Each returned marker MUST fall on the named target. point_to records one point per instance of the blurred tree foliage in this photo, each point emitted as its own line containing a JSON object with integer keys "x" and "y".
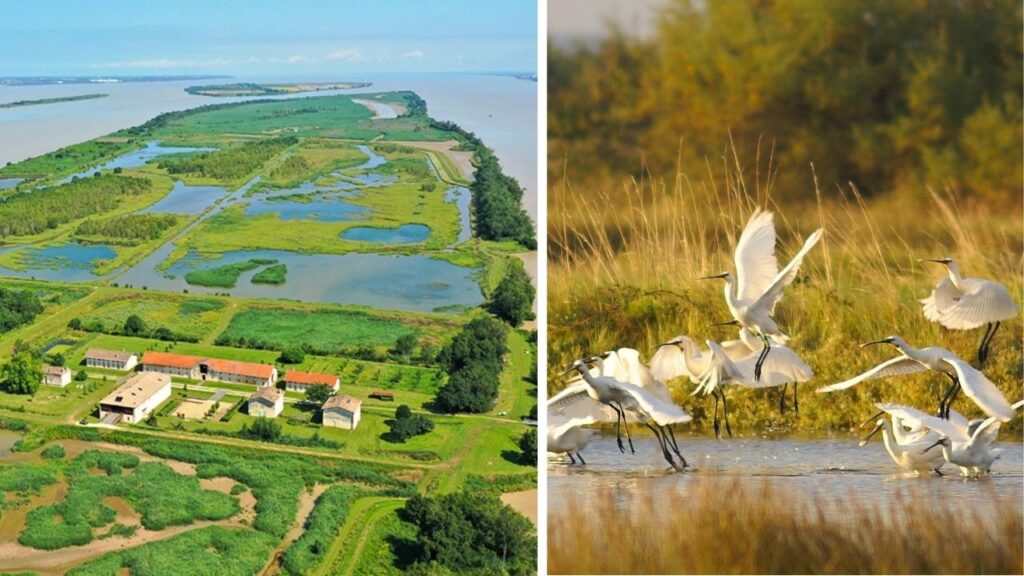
{"x": 887, "y": 95}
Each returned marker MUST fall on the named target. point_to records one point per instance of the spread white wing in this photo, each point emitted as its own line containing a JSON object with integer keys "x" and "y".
{"x": 952, "y": 430}
{"x": 895, "y": 367}
{"x": 942, "y": 297}
{"x": 661, "y": 412}
{"x": 756, "y": 265}
{"x": 781, "y": 366}
{"x": 984, "y": 301}
{"x": 980, "y": 389}
{"x": 773, "y": 292}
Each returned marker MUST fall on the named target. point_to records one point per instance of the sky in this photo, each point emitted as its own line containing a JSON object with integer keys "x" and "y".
{"x": 265, "y": 37}
{"x": 587, "y": 19}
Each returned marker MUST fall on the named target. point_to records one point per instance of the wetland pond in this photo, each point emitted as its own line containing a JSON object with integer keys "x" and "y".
{"x": 825, "y": 470}
{"x": 400, "y": 282}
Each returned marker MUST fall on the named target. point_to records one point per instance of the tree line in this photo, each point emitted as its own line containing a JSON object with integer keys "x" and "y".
{"x": 47, "y": 208}
{"x": 886, "y": 95}
{"x": 18, "y": 308}
{"x": 497, "y": 208}
{"x": 231, "y": 163}
{"x": 473, "y": 360}
{"x": 130, "y": 228}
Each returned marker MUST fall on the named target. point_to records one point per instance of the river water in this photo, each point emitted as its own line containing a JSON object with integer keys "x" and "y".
{"x": 822, "y": 469}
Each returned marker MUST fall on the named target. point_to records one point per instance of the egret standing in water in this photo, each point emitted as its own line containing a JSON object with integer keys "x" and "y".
{"x": 594, "y": 392}
{"x": 967, "y": 445}
{"x": 759, "y": 283}
{"x": 975, "y": 385}
{"x": 960, "y": 303}
{"x": 568, "y": 436}
{"x": 908, "y": 450}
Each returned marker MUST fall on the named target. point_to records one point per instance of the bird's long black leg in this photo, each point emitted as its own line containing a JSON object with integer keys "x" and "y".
{"x": 725, "y": 412}
{"x": 675, "y": 447}
{"x": 952, "y": 397}
{"x": 618, "y": 428}
{"x": 571, "y": 459}
{"x": 625, "y": 425}
{"x": 983, "y": 353}
{"x": 947, "y": 398}
{"x": 664, "y": 448}
{"x": 761, "y": 357}
{"x": 983, "y": 344}
{"x": 580, "y": 456}
{"x": 782, "y": 399}
{"x": 718, "y": 432}
{"x": 796, "y": 400}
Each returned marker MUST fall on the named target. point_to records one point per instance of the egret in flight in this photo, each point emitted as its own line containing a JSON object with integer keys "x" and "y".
{"x": 975, "y": 385}
{"x": 907, "y": 448}
{"x": 967, "y": 445}
{"x": 593, "y": 393}
{"x": 568, "y": 436}
{"x": 960, "y": 303}
{"x": 759, "y": 283}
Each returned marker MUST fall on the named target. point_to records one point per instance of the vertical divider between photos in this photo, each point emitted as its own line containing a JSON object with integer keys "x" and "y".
{"x": 542, "y": 283}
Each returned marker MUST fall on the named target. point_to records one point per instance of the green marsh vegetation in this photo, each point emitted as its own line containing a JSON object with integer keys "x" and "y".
{"x": 783, "y": 533}
{"x": 896, "y": 176}
{"x": 130, "y": 229}
{"x": 225, "y": 276}
{"x": 70, "y": 159}
{"x": 323, "y": 331}
{"x": 274, "y": 274}
{"x": 228, "y": 165}
{"x": 330, "y": 513}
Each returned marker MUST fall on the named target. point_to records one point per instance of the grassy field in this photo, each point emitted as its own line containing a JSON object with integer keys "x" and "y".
{"x": 195, "y": 317}
{"x": 642, "y": 248}
{"x": 783, "y": 533}
{"x": 323, "y": 330}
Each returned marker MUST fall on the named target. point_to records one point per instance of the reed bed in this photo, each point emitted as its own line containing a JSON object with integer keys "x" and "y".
{"x": 729, "y": 527}
{"x": 624, "y": 261}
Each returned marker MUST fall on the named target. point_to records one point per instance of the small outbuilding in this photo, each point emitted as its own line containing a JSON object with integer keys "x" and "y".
{"x": 342, "y": 412}
{"x": 266, "y": 401}
{"x": 56, "y": 375}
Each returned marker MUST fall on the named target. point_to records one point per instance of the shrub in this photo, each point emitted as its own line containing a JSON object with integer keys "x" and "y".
{"x": 53, "y": 452}
{"x": 292, "y": 355}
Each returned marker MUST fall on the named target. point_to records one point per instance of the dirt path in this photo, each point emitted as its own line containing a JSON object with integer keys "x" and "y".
{"x": 524, "y": 502}
{"x": 463, "y": 160}
{"x": 307, "y": 502}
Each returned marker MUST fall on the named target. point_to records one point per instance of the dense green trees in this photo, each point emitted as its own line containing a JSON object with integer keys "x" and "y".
{"x": 888, "y": 95}
{"x": 47, "y": 208}
{"x": 264, "y": 429}
{"x": 471, "y": 533}
{"x": 17, "y": 308}
{"x": 292, "y": 355}
{"x": 317, "y": 394}
{"x": 528, "y": 447}
{"x": 512, "y": 300}
{"x": 135, "y": 325}
{"x": 473, "y": 360}
{"x": 230, "y": 163}
{"x": 404, "y": 346}
{"x": 22, "y": 374}
{"x": 129, "y": 229}
{"x": 406, "y": 424}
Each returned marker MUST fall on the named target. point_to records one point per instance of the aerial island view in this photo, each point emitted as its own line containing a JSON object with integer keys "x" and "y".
{"x": 268, "y": 326}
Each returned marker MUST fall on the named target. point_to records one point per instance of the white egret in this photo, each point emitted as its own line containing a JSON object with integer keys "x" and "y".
{"x": 593, "y": 393}
{"x": 967, "y": 445}
{"x": 568, "y": 436}
{"x": 906, "y": 449}
{"x": 681, "y": 356}
{"x": 759, "y": 283}
{"x": 963, "y": 375}
{"x": 625, "y": 365}
{"x": 960, "y": 303}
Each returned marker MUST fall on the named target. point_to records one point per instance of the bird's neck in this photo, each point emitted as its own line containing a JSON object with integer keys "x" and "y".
{"x": 889, "y": 439}
{"x": 954, "y": 276}
{"x": 587, "y": 376}
{"x": 730, "y": 296}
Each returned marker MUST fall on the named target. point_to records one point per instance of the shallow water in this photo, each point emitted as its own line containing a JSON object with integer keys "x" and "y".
{"x": 822, "y": 469}
{"x": 186, "y": 199}
{"x": 7, "y": 440}
{"x": 70, "y": 262}
{"x": 397, "y": 282}
{"x": 137, "y": 158}
{"x": 323, "y": 209}
{"x": 6, "y": 183}
{"x": 404, "y": 234}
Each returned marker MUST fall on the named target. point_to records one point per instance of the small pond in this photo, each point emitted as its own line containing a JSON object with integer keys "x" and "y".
{"x": 404, "y": 234}
{"x": 6, "y": 183}
{"x": 138, "y": 158}
{"x": 69, "y": 262}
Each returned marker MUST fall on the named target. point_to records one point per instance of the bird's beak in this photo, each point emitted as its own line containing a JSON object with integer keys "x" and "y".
{"x": 923, "y": 260}
{"x": 568, "y": 370}
{"x": 730, "y": 323}
{"x": 937, "y": 442}
{"x": 722, "y": 275}
{"x": 665, "y": 344}
{"x": 872, "y": 419}
{"x": 865, "y": 439}
{"x": 882, "y": 341}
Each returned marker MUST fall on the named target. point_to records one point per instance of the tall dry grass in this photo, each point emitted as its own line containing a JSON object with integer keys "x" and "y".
{"x": 722, "y": 527}
{"x": 624, "y": 261}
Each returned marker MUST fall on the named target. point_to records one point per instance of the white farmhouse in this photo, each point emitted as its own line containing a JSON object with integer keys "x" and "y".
{"x": 139, "y": 396}
{"x": 342, "y": 412}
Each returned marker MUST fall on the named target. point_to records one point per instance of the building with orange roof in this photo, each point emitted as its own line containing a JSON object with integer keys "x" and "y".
{"x": 172, "y": 364}
{"x": 240, "y": 372}
{"x": 298, "y": 381}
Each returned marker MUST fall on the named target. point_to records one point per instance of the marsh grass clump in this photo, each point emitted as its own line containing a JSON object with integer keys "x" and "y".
{"x": 738, "y": 528}
{"x": 624, "y": 263}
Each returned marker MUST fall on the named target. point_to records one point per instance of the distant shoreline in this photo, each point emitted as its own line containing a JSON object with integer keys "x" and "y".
{"x": 253, "y": 89}
{"x": 58, "y": 80}
{"x": 20, "y": 103}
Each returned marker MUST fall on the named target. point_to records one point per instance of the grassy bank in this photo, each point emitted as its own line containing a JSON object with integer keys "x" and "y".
{"x": 782, "y": 533}
{"x": 624, "y": 263}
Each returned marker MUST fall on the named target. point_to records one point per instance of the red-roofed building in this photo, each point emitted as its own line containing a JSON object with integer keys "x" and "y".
{"x": 172, "y": 364}
{"x": 241, "y": 372}
{"x": 301, "y": 381}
